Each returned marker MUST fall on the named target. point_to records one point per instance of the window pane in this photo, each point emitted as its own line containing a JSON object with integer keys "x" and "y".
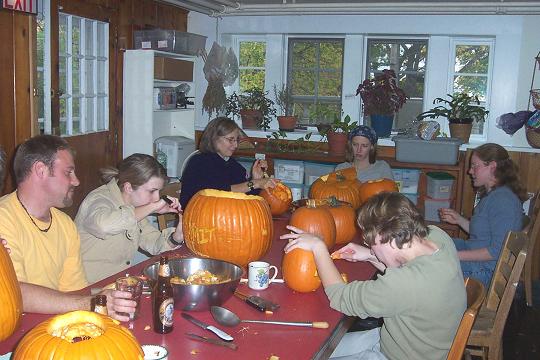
{"x": 76, "y": 75}
{"x": 330, "y": 84}
{"x": 40, "y": 35}
{"x": 331, "y": 56}
{"x": 62, "y": 33}
{"x": 63, "y": 116}
{"x": 303, "y": 83}
{"x": 472, "y": 84}
{"x": 40, "y": 99}
{"x": 89, "y": 76}
{"x": 101, "y": 114}
{"x": 472, "y": 59}
{"x": 102, "y": 81}
{"x": 76, "y": 34}
{"x": 102, "y": 42}
{"x": 89, "y": 37}
{"x": 304, "y": 55}
{"x": 76, "y": 116}
{"x": 89, "y": 114}
{"x": 250, "y": 79}
{"x": 412, "y": 84}
{"x": 62, "y": 75}
{"x": 252, "y": 53}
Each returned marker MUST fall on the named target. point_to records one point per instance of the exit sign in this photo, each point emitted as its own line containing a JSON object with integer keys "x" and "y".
{"x": 27, "y": 6}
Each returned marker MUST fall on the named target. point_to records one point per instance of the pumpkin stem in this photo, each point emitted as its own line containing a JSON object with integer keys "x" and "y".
{"x": 333, "y": 201}
{"x": 340, "y": 176}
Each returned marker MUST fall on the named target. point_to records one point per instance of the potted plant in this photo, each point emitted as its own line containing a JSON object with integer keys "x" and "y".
{"x": 254, "y": 107}
{"x": 284, "y": 99}
{"x": 381, "y": 99}
{"x": 461, "y": 110}
{"x": 338, "y": 134}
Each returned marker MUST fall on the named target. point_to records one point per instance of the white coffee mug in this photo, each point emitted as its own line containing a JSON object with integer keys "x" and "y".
{"x": 259, "y": 275}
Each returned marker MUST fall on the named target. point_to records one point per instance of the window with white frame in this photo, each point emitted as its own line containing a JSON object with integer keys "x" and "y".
{"x": 83, "y": 74}
{"x": 407, "y": 57}
{"x": 314, "y": 74}
{"x": 470, "y": 71}
{"x": 251, "y": 65}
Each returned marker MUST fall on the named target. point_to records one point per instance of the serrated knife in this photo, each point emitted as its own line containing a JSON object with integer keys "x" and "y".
{"x": 222, "y": 334}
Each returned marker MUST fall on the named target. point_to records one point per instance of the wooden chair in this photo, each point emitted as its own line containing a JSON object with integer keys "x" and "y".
{"x": 171, "y": 189}
{"x": 485, "y": 339}
{"x": 533, "y": 232}
{"x": 475, "y": 296}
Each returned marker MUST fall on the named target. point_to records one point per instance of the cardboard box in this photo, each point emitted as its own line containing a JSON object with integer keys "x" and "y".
{"x": 173, "y": 69}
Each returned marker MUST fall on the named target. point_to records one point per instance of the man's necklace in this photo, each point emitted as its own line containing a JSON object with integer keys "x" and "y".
{"x": 32, "y": 219}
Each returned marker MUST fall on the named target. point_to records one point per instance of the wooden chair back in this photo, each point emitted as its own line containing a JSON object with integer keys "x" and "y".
{"x": 533, "y": 232}
{"x": 173, "y": 190}
{"x": 475, "y": 296}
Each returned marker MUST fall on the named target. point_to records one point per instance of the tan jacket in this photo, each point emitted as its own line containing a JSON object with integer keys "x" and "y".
{"x": 110, "y": 233}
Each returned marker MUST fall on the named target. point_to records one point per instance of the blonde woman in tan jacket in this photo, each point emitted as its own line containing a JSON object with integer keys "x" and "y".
{"x": 112, "y": 219}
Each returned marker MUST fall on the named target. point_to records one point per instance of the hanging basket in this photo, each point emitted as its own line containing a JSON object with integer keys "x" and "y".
{"x": 533, "y": 137}
{"x": 535, "y": 96}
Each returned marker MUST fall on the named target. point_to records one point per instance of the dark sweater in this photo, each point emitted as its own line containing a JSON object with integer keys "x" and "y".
{"x": 210, "y": 171}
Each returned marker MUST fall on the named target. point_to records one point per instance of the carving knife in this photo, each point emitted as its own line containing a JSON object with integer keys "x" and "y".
{"x": 230, "y": 345}
{"x": 222, "y": 334}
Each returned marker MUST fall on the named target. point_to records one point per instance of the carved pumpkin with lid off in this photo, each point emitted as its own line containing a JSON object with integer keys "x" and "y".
{"x": 342, "y": 184}
{"x": 10, "y": 294}
{"x": 315, "y": 218}
{"x": 79, "y": 335}
{"x": 228, "y": 226}
{"x": 279, "y": 198}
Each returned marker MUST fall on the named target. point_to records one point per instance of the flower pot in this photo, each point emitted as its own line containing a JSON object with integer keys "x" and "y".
{"x": 461, "y": 131}
{"x": 337, "y": 143}
{"x": 287, "y": 123}
{"x": 251, "y": 118}
{"x": 382, "y": 124}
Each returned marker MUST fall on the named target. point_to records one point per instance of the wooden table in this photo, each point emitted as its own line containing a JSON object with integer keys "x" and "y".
{"x": 255, "y": 341}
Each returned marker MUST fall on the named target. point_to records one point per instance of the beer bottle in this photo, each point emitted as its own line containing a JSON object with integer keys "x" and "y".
{"x": 100, "y": 305}
{"x": 163, "y": 302}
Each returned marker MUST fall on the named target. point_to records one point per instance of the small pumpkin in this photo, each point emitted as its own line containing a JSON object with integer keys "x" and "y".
{"x": 342, "y": 184}
{"x": 315, "y": 219}
{"x": 300, "y": 271}
{"x": 79, "y": 335}
{"x": 228, "y": 226}
{"x": 373, "y": 187}
{"x": 345, "y": 220}
{"x": 10, "y": 293}
{"x": 279, "y": 198}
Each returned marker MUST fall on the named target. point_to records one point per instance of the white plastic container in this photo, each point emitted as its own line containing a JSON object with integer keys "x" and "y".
{"x": 439, "y": 185}
{"x": 297, "y": 190}
{"x": 443, "y": 151}
{"x": 313, "y": 171}
{"x": 289, "y": 171}
{"x": 432, "y": 206}
{"x": 406, "y": 180}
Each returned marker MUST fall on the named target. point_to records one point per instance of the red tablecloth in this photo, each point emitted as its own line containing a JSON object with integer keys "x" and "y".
{"x": 255, "y": 341}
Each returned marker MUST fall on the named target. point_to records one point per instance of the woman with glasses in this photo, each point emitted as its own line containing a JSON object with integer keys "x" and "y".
{"x": 215, "y": 168}
{"x": 499, "y": 210}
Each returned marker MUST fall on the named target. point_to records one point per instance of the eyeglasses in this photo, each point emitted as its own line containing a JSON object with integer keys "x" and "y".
{"x": 477, "y": 165}
{"x": 232, "y": 139}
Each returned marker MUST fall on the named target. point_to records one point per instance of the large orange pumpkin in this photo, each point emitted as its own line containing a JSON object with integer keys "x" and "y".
{"x": 373, "y": 187}
{"x": 299, "y": 271}
{"x": 10, "y": 293}
{"x": 345, "y": 220}
{"x": 315, "y": 219}
{"x": 228, "y": 226}
{"x": 279, "y": 198}
{"x": 342, "y": 184}
{"x": 79, "y": 335}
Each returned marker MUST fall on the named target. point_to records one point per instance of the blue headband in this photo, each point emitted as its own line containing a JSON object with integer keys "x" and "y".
{"x": 365, "y": 131}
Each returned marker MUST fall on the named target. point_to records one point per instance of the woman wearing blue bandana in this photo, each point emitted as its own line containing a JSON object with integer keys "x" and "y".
{"x": 361, "y": 153}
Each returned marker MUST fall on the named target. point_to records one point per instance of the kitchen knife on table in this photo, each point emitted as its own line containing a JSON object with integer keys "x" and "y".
{"x": 222, "y": 334}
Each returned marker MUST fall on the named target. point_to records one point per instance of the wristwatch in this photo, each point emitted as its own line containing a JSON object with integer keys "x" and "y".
{"x": 172, "y": 241}
{"x": 250, "y": 185}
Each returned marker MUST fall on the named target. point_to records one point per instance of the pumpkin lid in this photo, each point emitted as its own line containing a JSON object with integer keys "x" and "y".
{"x": 229, "y": 195}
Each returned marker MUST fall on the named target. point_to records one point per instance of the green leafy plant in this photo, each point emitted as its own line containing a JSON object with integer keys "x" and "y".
{"x": 278, "y": 142}
{"x": 461, "y": 108}
{"x": 284, "y": 99}
{"x": 253, "y": 99}
{"x": 343, "y": 125}
{"x": 381, "y": 95}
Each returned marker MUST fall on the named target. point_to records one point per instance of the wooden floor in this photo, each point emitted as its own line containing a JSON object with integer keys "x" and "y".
{"x": 521, "y": 339}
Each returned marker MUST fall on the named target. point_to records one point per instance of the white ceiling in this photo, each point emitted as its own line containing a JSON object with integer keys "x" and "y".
{"x": 219, "y": 8}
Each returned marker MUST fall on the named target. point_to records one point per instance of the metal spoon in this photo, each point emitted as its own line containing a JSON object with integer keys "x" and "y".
{"x": 226, "y": 317}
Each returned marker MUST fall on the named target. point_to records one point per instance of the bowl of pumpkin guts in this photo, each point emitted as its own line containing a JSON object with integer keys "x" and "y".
{"x": 199, "y": 283}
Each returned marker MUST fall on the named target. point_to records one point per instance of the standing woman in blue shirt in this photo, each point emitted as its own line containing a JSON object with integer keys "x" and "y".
{"x": 500, "y": 210}
{"x": 214, "y": 168}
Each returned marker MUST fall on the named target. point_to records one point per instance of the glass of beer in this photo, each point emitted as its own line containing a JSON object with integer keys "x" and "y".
{"x": 133, "y": 285}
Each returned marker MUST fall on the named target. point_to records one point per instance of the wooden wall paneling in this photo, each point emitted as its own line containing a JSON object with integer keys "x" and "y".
{"x": 24, "y": 70}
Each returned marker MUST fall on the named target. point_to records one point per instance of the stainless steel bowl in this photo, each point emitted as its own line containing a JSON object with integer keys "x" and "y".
{"x": 199, "y": 297}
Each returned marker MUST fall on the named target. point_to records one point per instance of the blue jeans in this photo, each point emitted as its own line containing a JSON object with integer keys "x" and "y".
{"x": 480, "y": 270}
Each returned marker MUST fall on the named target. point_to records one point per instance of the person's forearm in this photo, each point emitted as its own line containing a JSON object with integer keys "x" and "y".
{"x": 328, "y": 273}
{"x": 379, "y": 265}
{"x": 481, "y": 254}
{"x": 464, "y": 224}
{"x": 42, "y": 300}
{"x": 241, "y": 188}
{"x": 142, "y": 212}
